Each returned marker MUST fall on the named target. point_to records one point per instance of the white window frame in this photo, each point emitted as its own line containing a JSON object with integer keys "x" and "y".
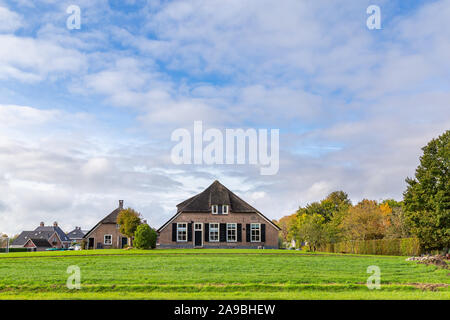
{"x": 104, "y": 240}
{"x": 225, "y": 206}
{"x": 232, "y": 229}
{"x": 215, "y": 209}
{"x": 218, "y": 232}
{"x": 180, "y": 229}
{"x": 259, "y": 232}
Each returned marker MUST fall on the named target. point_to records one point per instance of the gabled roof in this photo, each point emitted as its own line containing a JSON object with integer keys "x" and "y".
{"x": 76, "y": 234}
{"x": 216, "y": 193}
{"x": 109, "y": 219}
{"x": 26, "y": 235}
{"x": 40, "y": 243}
{"x": 61, "y": 234}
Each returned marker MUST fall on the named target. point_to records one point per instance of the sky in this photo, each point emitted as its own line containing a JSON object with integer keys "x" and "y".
{"x": 87, "y": 114}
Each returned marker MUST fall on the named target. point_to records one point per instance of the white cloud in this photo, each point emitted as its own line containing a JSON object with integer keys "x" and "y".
{"x": 31, "y": 60}
{"x": 9, "y": 20}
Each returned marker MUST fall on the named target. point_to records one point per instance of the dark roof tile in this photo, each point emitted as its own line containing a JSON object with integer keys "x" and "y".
{"x": 216, "y": 193}
{"x": 76, "y": 234}
{"x": 41, "y": 243}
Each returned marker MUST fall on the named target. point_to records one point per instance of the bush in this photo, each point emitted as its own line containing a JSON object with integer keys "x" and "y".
{"x": 392, "y": 247}
{"x": 145, "y": 237}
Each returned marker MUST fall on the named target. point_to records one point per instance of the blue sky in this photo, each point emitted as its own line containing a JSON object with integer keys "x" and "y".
{"x": 87, "y": 114}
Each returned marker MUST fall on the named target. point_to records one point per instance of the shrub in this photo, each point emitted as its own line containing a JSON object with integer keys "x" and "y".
{"x": 145, "y": 237}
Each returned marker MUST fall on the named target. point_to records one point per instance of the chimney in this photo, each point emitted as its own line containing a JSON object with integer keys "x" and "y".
{"x": 55, "y": 224}
{"x": 121, "y": 204}
{"x": 41, "y": 224}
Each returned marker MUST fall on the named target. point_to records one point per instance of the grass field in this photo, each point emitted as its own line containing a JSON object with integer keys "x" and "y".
{"x": 216, "y": 274}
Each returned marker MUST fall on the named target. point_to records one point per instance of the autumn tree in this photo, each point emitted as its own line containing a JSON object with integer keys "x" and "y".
{"x": 365, "y": 221}
{"x": 3, "y": 240}
{"x": 398, "y": 226}
{"x": 427, "y": 197}
{"x": 286, "y": 223}
{"x": 128, "y": 220}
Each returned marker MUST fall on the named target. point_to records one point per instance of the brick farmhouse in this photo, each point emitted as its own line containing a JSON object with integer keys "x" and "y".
{"x": 106, "y": 234}
{"x": 217, "y": 218}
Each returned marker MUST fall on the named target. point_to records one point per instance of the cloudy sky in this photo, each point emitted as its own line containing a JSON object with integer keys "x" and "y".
{"x": 86, "y": 115}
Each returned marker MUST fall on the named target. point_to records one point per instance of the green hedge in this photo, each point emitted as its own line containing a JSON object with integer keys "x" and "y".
{"x": 14, "y": 249}
{"x": 391, "y": 247}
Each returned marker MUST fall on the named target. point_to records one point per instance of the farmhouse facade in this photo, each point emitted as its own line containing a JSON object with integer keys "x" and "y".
{"x": 106, "y": 234}
{"x": 217, "y": 218}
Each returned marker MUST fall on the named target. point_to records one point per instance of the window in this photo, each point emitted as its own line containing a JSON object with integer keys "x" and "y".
{"x": 182, "y": 232}
{"x": 107, "y": 239}
{"x": 213, "y": 232}
{"x": 231, "y": 232}
{"x": 255, "y": 232}
{"x": 219, "y": 209}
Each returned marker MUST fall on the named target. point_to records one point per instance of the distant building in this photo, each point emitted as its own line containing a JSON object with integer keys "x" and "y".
{"x": 55, "y": 237}
{"x": 106, "y": 233}
{"x": 76, "y": 235}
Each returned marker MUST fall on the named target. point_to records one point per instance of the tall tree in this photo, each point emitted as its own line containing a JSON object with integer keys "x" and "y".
{"x": 128, "y": 220}
{"x": 427, "y": 197}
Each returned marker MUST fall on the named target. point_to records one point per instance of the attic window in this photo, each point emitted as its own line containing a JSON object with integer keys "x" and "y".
{"x": 219, "y": 209}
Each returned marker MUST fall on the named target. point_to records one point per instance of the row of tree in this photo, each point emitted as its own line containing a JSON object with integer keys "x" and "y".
{"x": 424, "y": 211}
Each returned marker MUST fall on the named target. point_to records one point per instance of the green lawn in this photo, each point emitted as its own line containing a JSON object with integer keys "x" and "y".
{"x": 216, "y": 274}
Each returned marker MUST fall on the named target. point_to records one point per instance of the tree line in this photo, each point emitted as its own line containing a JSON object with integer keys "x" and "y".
{"x": 424, "y": 211}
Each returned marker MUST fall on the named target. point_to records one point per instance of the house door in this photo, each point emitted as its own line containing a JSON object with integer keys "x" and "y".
{"x": 91, "y": 243}
{"x": 124, "y": 241}
{"x": 198, "y": 234}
